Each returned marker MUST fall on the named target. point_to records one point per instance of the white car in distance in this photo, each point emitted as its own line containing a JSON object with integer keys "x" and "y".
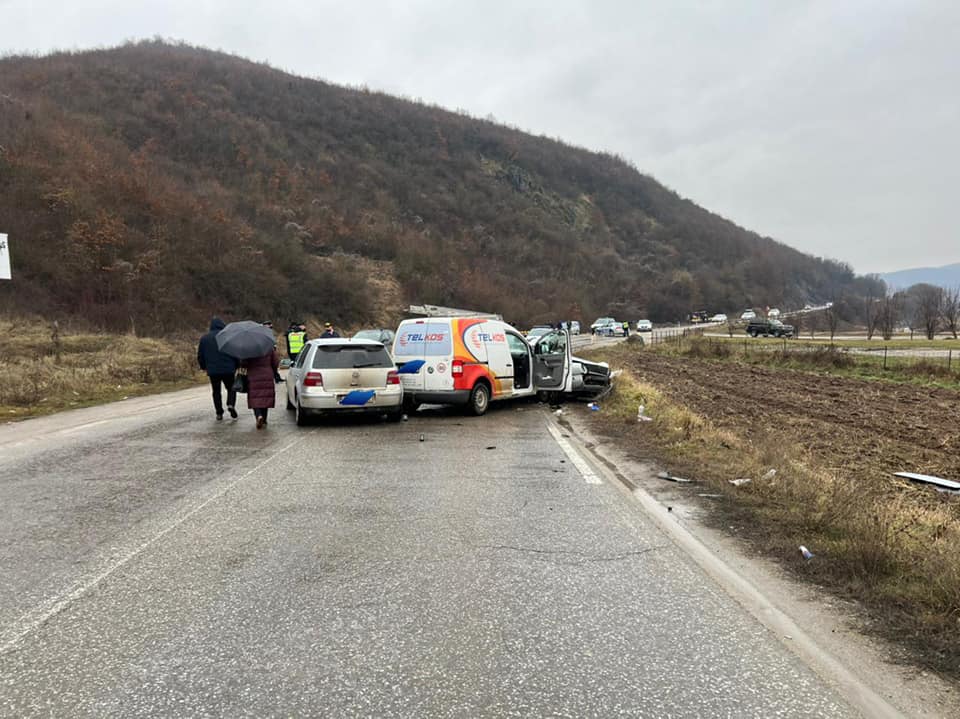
{"x": 719, "y": 318}
{"x": 644, "y": 326}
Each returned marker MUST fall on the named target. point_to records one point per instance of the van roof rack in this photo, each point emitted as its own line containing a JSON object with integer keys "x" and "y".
{"x": 438, "y": 311}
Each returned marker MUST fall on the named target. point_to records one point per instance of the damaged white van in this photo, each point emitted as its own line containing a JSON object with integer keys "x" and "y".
{"x": 472, "y": 361}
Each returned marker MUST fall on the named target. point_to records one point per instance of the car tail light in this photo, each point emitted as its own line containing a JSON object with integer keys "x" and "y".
{"x": 313, "y": 379}
{"x": 393, "y": 377}
{"x": 457, "y": 367}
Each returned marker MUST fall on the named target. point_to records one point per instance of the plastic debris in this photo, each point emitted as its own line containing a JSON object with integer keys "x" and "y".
{"x": 769, "y": 474}
{"x": 709, "y": 496}
{"x": 641, "y": 416}
{"x": 671, "y": 478}
{"x": 492, "y": 446}
{"x": 421, "y": 438}
{"x": 806, "y": 553}
{"x": 558, "y": 412}
{"x": 940, "y": 484}
{"x": 593, "y": 407}
{"x": 404, "y": 418}
{"x": 740, "y": 481}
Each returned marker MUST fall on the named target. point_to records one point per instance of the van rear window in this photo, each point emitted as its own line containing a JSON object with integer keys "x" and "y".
{"x": 350, "y": 357}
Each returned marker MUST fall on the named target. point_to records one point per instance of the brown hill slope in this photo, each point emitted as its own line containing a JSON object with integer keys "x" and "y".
{"x": 153, "y": 184}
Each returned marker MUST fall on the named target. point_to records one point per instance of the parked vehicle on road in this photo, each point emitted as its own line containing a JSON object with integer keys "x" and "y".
{"x": 644, "y": 326}
{"x": 475, "y": 361}
{"x": 719, "y": 318}
{"x": 698, "y": 317}
{"x": 773, "y": 314}
{"x": 574, "y": 327}
{"x": 748, "y": 315}
{"x": 538, "y": 331}
{"x": 610, "y": 329}
{"x": 337, "y": 376}
{"x": 383, "y": 336}
{"x": 601, "y": 322}
{"x": 768, "y": 328}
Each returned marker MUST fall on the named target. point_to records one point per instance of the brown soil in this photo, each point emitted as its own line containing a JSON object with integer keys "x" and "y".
{"x": 866, "y": 430}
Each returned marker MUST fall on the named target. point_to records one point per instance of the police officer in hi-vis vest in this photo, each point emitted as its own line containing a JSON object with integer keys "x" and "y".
{"x": 296, "y": 339}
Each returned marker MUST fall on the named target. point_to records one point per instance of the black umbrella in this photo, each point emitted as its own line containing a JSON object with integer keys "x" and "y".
{"x": 246, "y": 339}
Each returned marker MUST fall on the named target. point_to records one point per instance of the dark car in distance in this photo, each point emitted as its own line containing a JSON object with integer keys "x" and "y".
{"x": 769, "y": 328}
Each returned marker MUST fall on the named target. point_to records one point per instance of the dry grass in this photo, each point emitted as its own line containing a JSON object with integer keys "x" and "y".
{"x": 892, "y": 547}
{"x": 37, "y": 377}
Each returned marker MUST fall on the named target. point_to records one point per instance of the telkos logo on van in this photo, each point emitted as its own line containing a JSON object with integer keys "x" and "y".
{"x": 421, "y": 337}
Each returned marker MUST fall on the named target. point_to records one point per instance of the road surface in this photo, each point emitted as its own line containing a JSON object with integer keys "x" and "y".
{"x": 154, "y": 562}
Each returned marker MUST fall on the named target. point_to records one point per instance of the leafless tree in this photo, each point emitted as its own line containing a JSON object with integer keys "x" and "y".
{"x": 832, "y": 316}
{"x": 929, "y": 301}
{"x": 871, "y": 304}
{"x": 950, "y": 310}
{"x": 891, "y": 306}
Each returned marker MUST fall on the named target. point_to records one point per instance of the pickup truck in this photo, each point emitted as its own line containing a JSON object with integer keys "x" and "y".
{"x": 768, "y": 328}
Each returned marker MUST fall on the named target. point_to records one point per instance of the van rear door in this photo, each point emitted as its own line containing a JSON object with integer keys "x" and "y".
{"x": 552, "y": 362}
{"x": 432, "y": 342}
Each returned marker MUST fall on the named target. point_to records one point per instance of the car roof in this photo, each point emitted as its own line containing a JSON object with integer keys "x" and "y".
{"x": 359, "y": 341}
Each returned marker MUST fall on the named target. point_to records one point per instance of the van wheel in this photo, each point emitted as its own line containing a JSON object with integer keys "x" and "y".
{"x": 479, "y": 398}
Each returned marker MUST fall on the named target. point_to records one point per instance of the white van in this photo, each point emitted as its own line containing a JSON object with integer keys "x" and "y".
{"x": 473, "y": 361}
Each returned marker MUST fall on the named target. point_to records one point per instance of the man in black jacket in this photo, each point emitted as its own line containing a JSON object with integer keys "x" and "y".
{"x": 219, "y": 367}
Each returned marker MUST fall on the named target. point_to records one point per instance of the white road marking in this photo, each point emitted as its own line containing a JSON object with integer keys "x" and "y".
{"x": 589, "y": 476}
{"x": 39, "y": 615}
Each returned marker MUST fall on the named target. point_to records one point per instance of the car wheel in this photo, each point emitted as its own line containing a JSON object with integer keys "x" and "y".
{"x": 479, "y": 399}
{"x": 303, "y": 419}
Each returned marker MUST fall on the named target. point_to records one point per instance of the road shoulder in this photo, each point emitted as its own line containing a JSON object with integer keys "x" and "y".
{"x": 829, "y": 625}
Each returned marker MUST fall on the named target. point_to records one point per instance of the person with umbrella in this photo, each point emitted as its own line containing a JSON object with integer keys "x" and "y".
{"x": 253, "y": 345}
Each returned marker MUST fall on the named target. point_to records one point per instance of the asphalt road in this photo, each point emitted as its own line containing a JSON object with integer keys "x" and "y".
{"x": 154, "y": 562}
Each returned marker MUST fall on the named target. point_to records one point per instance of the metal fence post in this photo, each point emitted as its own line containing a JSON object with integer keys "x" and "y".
{"x": 949, "y": 359}
{"x": 884, "y": 356}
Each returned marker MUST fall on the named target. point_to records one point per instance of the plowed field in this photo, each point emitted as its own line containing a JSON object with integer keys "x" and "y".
{"x": 865, "y": 429}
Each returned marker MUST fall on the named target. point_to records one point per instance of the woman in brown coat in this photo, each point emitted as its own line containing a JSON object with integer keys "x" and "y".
{"x": 261, "y": 395}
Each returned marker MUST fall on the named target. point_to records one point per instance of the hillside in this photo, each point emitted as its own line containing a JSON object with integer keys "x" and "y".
{"x": 947, "y": 276}
{"x": 153, "y": 184}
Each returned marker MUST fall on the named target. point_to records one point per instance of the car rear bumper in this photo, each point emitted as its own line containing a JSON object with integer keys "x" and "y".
{"x": 451, "y": 396}
{"x": 329, "y": 401}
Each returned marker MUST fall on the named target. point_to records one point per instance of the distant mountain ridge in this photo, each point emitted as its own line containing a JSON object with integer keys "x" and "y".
{"x": 947, "y": 276}
{"x": 153, "y": 184}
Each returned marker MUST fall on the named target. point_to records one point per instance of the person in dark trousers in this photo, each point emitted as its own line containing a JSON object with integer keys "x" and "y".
{"x": 261, "y": 395}
{"x": 296, "y": 338}
{"x": 329, "y": 331}
{"x": 219, "y": 367}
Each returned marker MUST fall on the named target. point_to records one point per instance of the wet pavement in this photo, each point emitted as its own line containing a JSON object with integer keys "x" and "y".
{"x": 154, "y": 562}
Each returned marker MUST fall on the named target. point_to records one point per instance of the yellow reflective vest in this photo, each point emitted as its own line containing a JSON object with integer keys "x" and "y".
{"x": 295, "y": 341}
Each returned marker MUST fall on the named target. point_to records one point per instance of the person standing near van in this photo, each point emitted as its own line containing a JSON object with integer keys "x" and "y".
{"x": 296, "y": 339}
{"x": 220, "y": 368}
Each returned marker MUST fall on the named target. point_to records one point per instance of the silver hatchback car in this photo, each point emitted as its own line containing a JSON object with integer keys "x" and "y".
{"x": 344, "y": 376}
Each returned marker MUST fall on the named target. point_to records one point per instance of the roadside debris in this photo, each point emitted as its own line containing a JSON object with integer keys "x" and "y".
{"x": 404, "y": 418}
{"x": 769, "y": 474}
{"x": 616, "y": 373}
{"x": 707, "y": 495}
{"x": 421, "y": 437}
{"x": 940, "y": 484}
{"x": 593, "y": 407}
{"x": 641, "y": 416}
{"x": 670, "y": 478}
{"x": 558, "y": 412}
{"x": 806, "y": 553}
{"x": 492, "y": 446}
{"x": 740, "y": 481}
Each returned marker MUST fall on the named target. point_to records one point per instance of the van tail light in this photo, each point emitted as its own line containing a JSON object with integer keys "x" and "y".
{"x": 456, "y": 367}
{"x": 313, "y": 379}
{"x": 393, "y": 377}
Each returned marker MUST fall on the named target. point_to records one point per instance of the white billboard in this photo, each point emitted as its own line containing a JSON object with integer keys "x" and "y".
{"x": 4, "y": 258}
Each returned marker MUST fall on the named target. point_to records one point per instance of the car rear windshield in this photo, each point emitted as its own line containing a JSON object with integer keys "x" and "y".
{"x": 350, "y": 357}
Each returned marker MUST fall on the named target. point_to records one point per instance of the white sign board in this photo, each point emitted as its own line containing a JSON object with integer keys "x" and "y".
{"x": 4, "y": 258}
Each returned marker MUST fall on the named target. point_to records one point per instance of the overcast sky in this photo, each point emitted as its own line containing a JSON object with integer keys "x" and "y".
{"x": 832, "y": 126}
